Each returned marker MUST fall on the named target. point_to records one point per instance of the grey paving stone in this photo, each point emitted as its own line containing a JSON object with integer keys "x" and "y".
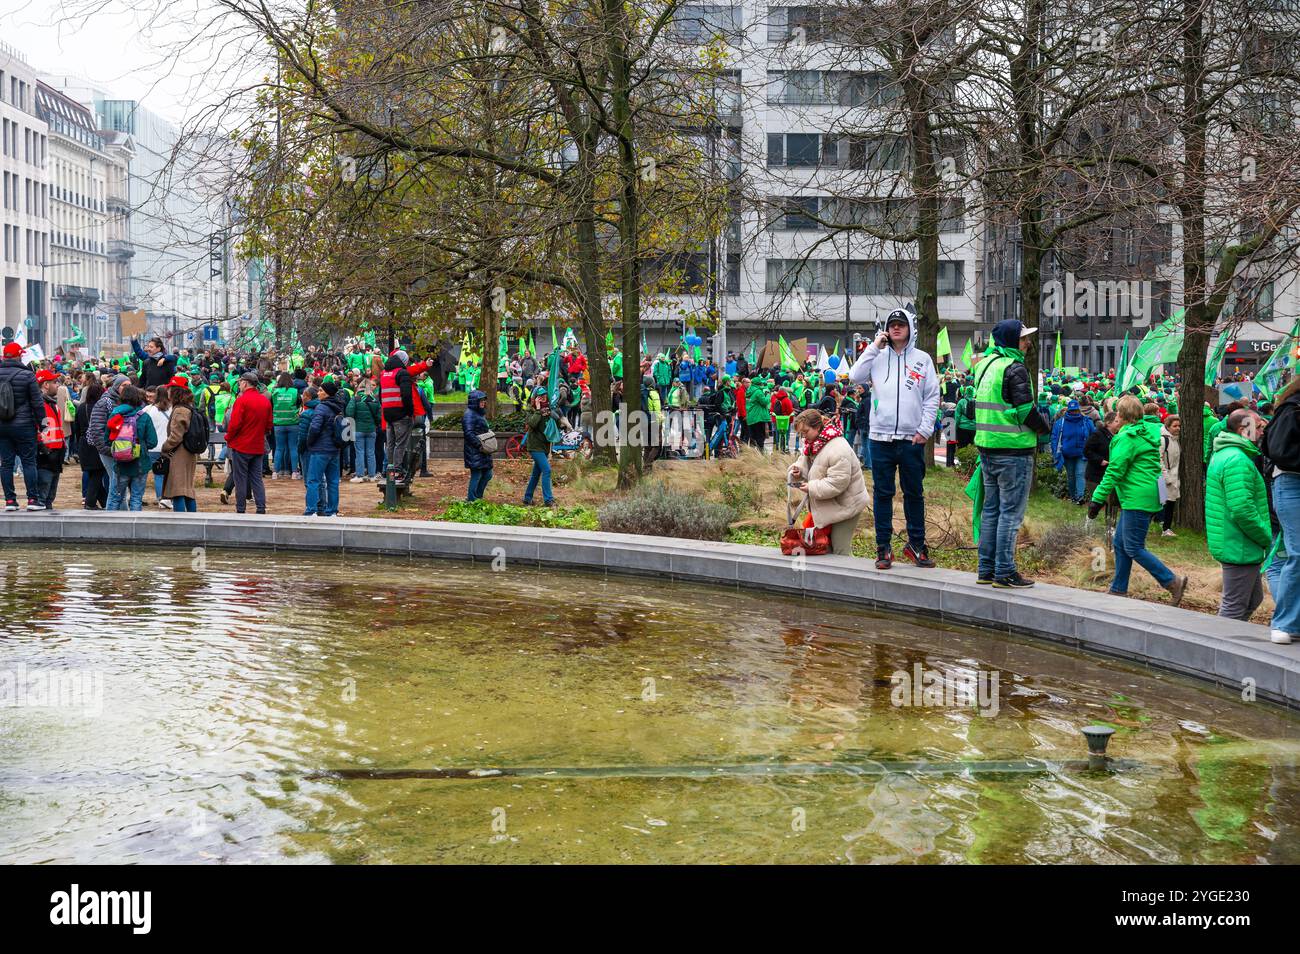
{"x": 1126, "y": 638}
{"x": 308, "y": 533}
{"x": 429, "y": 541}
{"x": 389, "y": 540}
{"x": 974, "y": 604}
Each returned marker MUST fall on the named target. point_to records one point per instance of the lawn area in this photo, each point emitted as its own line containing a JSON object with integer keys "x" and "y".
{"x": 1057, "y": 543}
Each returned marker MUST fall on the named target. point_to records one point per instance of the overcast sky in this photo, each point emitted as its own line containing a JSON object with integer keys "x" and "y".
{"x": 115, "y": 46}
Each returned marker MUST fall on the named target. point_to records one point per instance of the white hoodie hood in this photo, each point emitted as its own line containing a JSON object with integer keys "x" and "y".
{"x": 904, "y": 388}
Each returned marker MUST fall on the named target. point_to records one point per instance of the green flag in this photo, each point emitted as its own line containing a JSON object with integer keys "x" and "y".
{"x": 941, "y": 346}
{"x": 555, "y": 342}
{"x": 1268, "y": 380}
{"x": 1212, "y": 365}
{"x": 968, "y": 354}
{"x": 1121, "y": 370}
{"x": 975, "y": 491}
{"x": 1160, "y": 346}
{"x": 609, "y": 341}
{"x": 1058, "y": 361}
{"x": 788, "y": 363}
{"x": 752, "y": 357}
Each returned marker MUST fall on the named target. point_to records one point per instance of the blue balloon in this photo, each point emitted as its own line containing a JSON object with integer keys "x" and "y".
{"x": 693, "y": 340}
{"x": 829, "y": 376}
{"x": 833, "y": 361}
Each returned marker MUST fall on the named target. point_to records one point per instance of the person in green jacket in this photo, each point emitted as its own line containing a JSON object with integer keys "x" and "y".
{"x": 1216, "y": 428}
{"x": 677, "y": 395}
{"x": 1236, "y": 515}
{"x": 663, "y": 374}
{"x": 285, "y": 400}
{"x": 1134, "y": 474}
{"x": 365, "y": 411}
{"x": 1208, "y": 423}
{"x": 538, "y": 444}
{"x": 758, "y": 414}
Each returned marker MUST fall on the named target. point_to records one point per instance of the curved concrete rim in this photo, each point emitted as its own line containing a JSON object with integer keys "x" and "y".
{"x": 1231, "y": 654}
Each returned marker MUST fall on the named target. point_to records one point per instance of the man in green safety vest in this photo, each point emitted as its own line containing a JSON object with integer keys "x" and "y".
{"x": 1007, "y": 425}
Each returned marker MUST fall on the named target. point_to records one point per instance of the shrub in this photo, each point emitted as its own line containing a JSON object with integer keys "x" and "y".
{"x": 514, "y": 515}
{"x": 513, "y": 421}
{"x": 737, "y": 493}
{"x": 967, "y": 458}
{"x": 1048, "y": 478}
{"x": 1059, "y": 541}
{"x": 655, "y": 510}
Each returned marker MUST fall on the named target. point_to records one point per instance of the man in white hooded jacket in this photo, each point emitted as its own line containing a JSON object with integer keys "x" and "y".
{"x": 904, "y": 408}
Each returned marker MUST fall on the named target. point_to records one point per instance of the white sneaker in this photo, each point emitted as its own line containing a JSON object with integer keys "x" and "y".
{"x": 164, "y": 504}
{"x": 11, "y": 506}
{"x": 356, "y": 480}
{"x": 1278, "y": 636}
{"x": 37, "y": 505}
{"x": 1168, "y": 533}
{"x": 275, "y": 475}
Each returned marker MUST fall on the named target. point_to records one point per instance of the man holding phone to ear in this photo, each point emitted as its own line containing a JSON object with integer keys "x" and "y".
{"x": 904, "y": 403}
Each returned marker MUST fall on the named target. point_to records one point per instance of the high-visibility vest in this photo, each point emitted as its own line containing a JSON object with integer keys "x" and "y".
{"x": 51, "y": 433}
{"x": 996, "y": 424}
{"x": 390, "y": 395}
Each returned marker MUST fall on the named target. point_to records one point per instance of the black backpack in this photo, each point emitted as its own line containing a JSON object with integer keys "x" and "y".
{"x": 196, "y": 433}
{"x": 7, "y": 409}
{"x": 1282, "y": 437}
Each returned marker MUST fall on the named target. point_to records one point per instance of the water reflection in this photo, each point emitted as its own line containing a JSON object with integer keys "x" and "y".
{"x": 229, "y": 680}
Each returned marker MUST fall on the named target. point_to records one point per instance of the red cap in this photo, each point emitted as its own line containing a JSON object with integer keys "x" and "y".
{"x": 179, "y": 381}
{"x": 13, "y": 350}
{"x": 44, "y": 375}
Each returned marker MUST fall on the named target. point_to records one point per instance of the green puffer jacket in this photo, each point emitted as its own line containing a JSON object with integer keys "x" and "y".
{"x": 1212, "y": 435}
{"x": 758, "y": 398}
{"x": 1134, "y": 468}
{"x": 1236, "y": 503}
{"x": 1208, "y": 420}
{"x": 364, "y": 409}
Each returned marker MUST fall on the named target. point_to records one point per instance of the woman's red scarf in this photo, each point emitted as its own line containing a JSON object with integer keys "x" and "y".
{"x": 831, "y": 431}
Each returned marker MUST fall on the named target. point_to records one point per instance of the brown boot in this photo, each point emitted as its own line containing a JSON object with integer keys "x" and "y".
{"x": 1177, "y": 588}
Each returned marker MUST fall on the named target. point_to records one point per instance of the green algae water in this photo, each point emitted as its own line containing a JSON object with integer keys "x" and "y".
{"x": 164, "y": 706}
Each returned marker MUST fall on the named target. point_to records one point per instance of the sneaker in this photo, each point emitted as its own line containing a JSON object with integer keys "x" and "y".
{"x": 368, "y": 480}
{"x": 35, "y": 505}
{"x": 1176, "y": 589}
{"x": 884, "y": 558}
{"x": 11, "y": 505}
{"x": 297, "y": 475}
{"x": 276, "y": 475}
{"x": 225, "y": 498}
{"x": 918, "y": 555}
{"x": 1280, "y": 637}
{"x": 984, "y": 580}
{"x": 1168, "y": 533}
{"x": 357, "y": 480}
{"x": 1013, "y": 582}
{"x": 165, "y": 504}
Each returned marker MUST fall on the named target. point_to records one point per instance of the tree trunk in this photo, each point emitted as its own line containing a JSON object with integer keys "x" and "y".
{"x": 491, "y": 320}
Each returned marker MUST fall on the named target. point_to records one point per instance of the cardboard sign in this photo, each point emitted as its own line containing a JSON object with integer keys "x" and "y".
{"x": 134, "y": 323}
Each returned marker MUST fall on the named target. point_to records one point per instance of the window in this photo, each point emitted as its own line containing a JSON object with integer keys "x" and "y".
{"x": 950, "y": 280}
{"x": 952, "y": 215}
{"x": 794, "y": 150}
{"x": 800, "y": 24}
{"x": 797, "y": 212}
{"x": 702, "y": 22}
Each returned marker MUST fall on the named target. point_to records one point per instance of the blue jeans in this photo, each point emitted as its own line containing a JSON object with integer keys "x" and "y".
{"x": 1284, "y": 581}
{"x": 365, "y": 466}
{"x": 19, "y": 443}
{"x": 322, "y": 500}
{"x": 478, "y": 481}
{"x": 721, "y": 434}
{"x": 862, "y": 447}
{"x": 1074, "y": 468}
{"x": 134, "y": 486}
{"x": 909, "y": 461}
{"x": 286, "y": 448}
{"x": 158, "y": 479}
{"x": 541, "y": 471}
{"x": 1131, "y": 546}
{"x": 110, "y": 474}
{"x": 1006, "y": 495}
{"x": 185, "y": 505}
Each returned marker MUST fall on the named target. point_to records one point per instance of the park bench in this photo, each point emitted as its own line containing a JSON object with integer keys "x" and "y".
{"x": 212, "y": 458}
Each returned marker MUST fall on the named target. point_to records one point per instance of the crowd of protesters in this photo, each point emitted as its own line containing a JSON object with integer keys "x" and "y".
{"x": 319, "y": 416}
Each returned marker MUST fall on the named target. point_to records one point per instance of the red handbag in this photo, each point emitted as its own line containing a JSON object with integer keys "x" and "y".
{"x": 808, "y": 540}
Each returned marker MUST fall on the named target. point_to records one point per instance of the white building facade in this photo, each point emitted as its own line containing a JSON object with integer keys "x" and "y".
{"x": 24, "y": 209}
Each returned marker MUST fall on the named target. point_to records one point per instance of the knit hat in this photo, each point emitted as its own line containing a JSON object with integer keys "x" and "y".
{"x": 13, "y": 350}
{"x": 330, "y": 386}
{"x": 401, "y": 356}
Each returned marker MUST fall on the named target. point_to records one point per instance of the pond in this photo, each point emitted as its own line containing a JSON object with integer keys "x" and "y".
{"x": 169, "y": 705}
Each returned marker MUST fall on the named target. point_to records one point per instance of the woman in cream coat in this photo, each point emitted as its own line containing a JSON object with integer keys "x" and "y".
{"x": 832, "y": 476}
